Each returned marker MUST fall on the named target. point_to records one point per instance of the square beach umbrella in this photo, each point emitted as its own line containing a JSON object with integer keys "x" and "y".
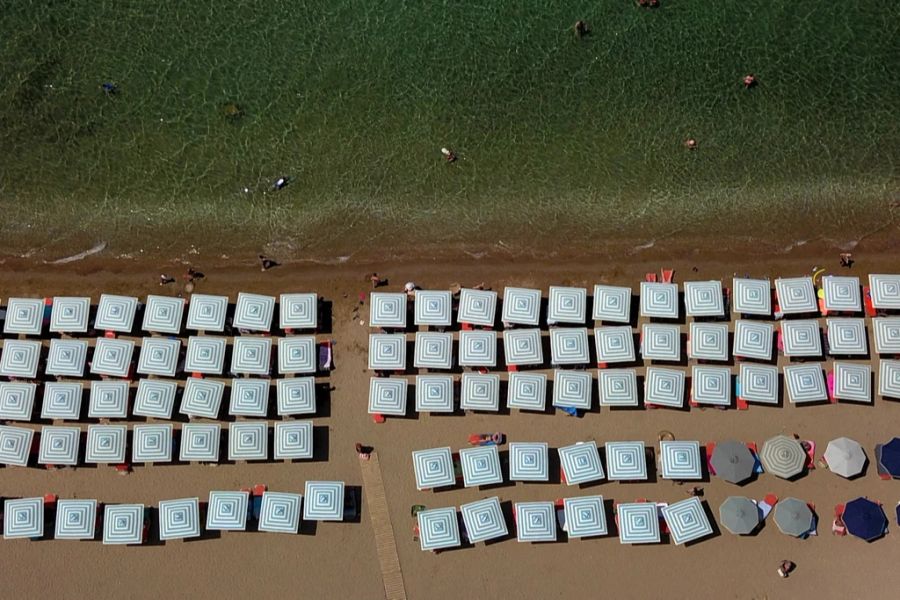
{"x": 202, "y": 398}
{"x": 480, "y": 392}
{"x": 796, "y": 295}
{"x": 842, "y": 293}
{"x": 62, "y": 400}
{"x": 75, "y": 519}
{"x": 249, "y": 397}
{"x": 617, "y": 387}
{"x": 298, "y": 311}
{"x": 614, "y": 344}
{"x": 664, "y": 387}
{"x": 16, "y": 400}
{"x": 708, "y": 341}
{"x": 522, "y": 347}
{"x": 59, "y": 446}
{"x": 200, "y": 442}
{"x": 387, "y": 310}
{"x": 24, "y": 316}
{"x": 433, "y": 308}
{"x": 15, "y": 445}
{"x": 477, "y": 348}
{"x": 887, "y": 335}
{"x": 248, "y": 441}
{"x": 739, "y": 515}
{"x": 885, "y": 291}
{"x": 179, "y": 519}
{"x": 112, "y": 357}
{"x": 20, "y": 359}
{"x": 123, "y": 524}
{"x": 852, "y": 382}
{"x": 783, "y": 456}
{"x": 433, "y": 468}
{"x": 580, "y": 463}
{"x": 293, "y": 440}
{"x": 687, "y": 521}
{"x": 23, "y": 518}
{"x": 69, "y": 314}
{"x": 480, "y": 466}
{"x": 805, "y": 383}
{"x": 567, "y": 305}
{"x": 477, "y": 307}
{"x": 801, "y": 338}
{"x": 753, "y": 340}
{"x": 889, "y": 379}
{"x": 528, "y": 461}
{"x": 159, "y": 356}
{"x": 251, "y": 355}
{"x": 254, "y": 312}
{"x": 585, "y": 516}
{"x": 163, "y": 314}
{"x": 434, "y": 393}
{"x": 711, "y": 385}
{"x": 297, "y": 354}
{"x": 661, "y": 342}
{"x": 151, "y": 444}
{"x": 680, "y": 459}
{"x": 227, "y": 511}
{"x": 205, "y": 354}
{"x": 704, "y": 299}
{"x": 758, "y": 383}
{"x": 296, "y": 396}
{"x": 845, "y": 457}
{"x": 528, "y": 391}
{"x": 155, "y": 398}
{"x": 105, "y": 444}
{"x": 387, "y": 352}
{"x": 847, "y": 336}
{"x": 207, "y": 313}
{"x": 612, "y": 304}
{"x": 324, "y": 501}
{"x": 483, "y": 520}
{"x": 387, "y": 396}
{"x": 569, "y": 346}
{"x": 115, "y": 313}
{"x": 66, "y": 358}
{"x": 752, "y": 296}
{"x": 793, "y": 517}
{"x": 638, "y": 523}
{"x": 535, "y": 522}
{"x": 626, "y": 461}
{"x": 659, "y": 300}
{"x": 521, "y": 306}
{"x": 433, "y": 350}
{"x": 280, "y": 512}
{"x": 438, "y": 528}
{"x": 572, "y": 389}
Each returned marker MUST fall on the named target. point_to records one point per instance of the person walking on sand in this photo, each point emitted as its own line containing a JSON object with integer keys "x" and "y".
{"x": 846, "y": 260}
{"x": 193, "y": 275}
{"x": 363, "y": 452}
{"x": 785, "y": 568}
{"x": 266, "y": 263}
{"x": 165, "y": 279}
{"x": 377, "y": 281}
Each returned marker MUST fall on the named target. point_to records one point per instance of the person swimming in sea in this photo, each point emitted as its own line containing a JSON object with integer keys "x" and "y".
{"x": 581, "y": 29}
{"x": 750, "y": 81}
{"x": 449, "y": 155}
{"x": 281, "y": 183}
{"x": 690, "y": 144}
{"x": 109, "y": 88}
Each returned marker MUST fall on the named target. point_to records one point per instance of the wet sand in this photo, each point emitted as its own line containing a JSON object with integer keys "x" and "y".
{"x": 339, "y": 559}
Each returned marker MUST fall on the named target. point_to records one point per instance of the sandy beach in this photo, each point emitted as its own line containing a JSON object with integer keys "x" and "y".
{"x": 339, "y": 559}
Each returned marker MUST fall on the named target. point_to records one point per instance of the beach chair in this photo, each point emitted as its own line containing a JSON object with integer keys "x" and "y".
{"x": 710, "y": 448}
{"x": 325, "y": 355}
{"x": 572, "y": 412}
{"x": 867, "y": 303}
{"x": 771, "y": 499}
{"x": 757, "y": 463}
{"x": 50, "y": 500}
{"x": 486, "y": 439}
{"x": 810, "y": 454}
{"x": 512, "y": 368}
{"x": 882, "y": 472}
{"x": 668, "y": 275}
{"x": 837, "y": 526}
{"x": 650, "y": 277}
{"x": 829, "y": 387}
{"x": 378, "y": 418}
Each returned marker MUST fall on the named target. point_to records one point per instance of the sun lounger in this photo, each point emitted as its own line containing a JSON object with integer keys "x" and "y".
{"x": 710, "y": 448}
{"x": 325, "y": 356}
{"x": 650, "y": 277}
{"x": 882, "y": 472}
{"x": 486, "y": 439}
{"x": 810, "y": 454}
{"x": 572, "y": 412}
{"x": 668, "y": 275}
{"x": 837, "y": 526}
{"x": 757, "y": 463}
{"x": 378, "y": 418}
{"x": 867, "y": 302}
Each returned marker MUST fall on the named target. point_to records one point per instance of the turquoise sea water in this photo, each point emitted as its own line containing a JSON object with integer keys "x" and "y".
{"x": 353, "y": 100}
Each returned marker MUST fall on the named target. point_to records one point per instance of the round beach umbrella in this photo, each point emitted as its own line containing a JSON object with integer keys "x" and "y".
{"x": 845, "y": 457}
{"x": 783, "y": 456}
{"x": 739, "y": 515}
{"x": 793, "y": 517}
{"x": 865, "y": 519}
{"x": 732, "y": 461}
{"x": 890, "y": 457}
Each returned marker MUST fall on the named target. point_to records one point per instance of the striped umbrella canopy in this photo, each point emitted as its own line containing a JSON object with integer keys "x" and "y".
{"x": 732, "y": 461}
{"x": 480, "y": 466}
{"x": 580, "y": 463}
{"x": 433, "y": 308}
{"x": 108, "y": 400}
{"x": 105, "y": 444}
{"x": 205, "y": 354}
{"x": 852, "y": 382}
{"x": 805, "y": 383}
{"x": 438, "y": 528}
{"x": 158, "y": 356}
{"x": 793, "y": 517}
{"x": 123, "y": 524}
{"x": 638, "y": 523}
{"x": 24, "y": 316}
{"x": 711, "y": 385}
{"x": 387, "y": 309}
{"x": 16, "y": 400}
{"x": 664, "y": 387}
{"x": 614, "y": 344}
{"x": 296, "y": 396}
{"x": 753, "y": 340}
{"x": 433, "y": 468}
{"x": 207, "y": 313}
{"x": 885, "y": 291}
{"x": 796, "y": 295}
{"x": 617, "y": 387}
{"x": 324, "y": 501}
{"x": 23, "y": 518}
{"x": 612, "y": 304}
{"x": 567, "y": 305}
{"x": 709, "y": 341}
{"x": 151, "y": 444}
{"x": 251, "y": 356}
{"x": 66, "y": 358}
{"x": 569, "y": 346}
{"x": 433, "y": 350}
{"x": 521, "y": 306}
{"x": 202, "y": 398}
{"x": 801, "y": 338}
{"x": 298, "y": 311}
{"x": 179, "y": 519}
{"x": 680, "y": 459}
{"x": 62, "y": 400}
{"x": 585, "y": 516}
{"x": 387, "y": 352}
{"x": 15, "y": 445}
{"x": 783, "y": 456}
{"x": 297, "y": 354}
{"x": 293, "y": 440}
{"x": 847, "y": 336}
{"x": 535, "y": 522}
{"x": 752, "y": 296}
{"x": 659, "y": 300}
{"x": 20, "y": 359}
{"x": 845, "y": 457}
{"x": 758, "y": 383}
{"x": 115, "y": 313}
{"x": 704, "y": 298}
{"x": 434, "y": 393}
{"x": 163, "y": 314}
{"x": 280, "y": 512}
{"x": 739, "y": 515}
{"x": 200, "y": 442}
{"x": 227, "y": 511}
{"x": 865, "y": 519}
{"x": 75, "y": 519}
{"x": 887, "y": 335}
{"x": 528, "y": 461}
{"x": 254, "y": 312}
{"x": 527, "y": 391}
{"x": 889, "y": 378}
{"x": 477, "y": 307}
{"x": 59, "y": 446}
{"x": 626, "y": 461}
{"x": 661, "y": 342}
{"x": 480, "y": 392}
{"x": 249, "y": 397}
{"x": 112, "y": 357}
{"x": 572, "y": 389}
{"x": 69, "y": 314}
{"x": 477, "y": 348}
{"x": 248, "y": 441}
{"x": 687, "y": 521}
{"x": 387, "y": 396}
{"x": 523, "y": 347}
{"x": 483, "y": 520}
{"x": 155, "y": 398}
{"x": 842, "y": 293}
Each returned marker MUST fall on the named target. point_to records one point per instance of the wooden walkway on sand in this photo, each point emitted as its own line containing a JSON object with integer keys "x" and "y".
{"x": 386, "y": 546}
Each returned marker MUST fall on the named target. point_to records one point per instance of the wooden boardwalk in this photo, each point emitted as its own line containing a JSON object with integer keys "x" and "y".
{"x": 385, "y": 545}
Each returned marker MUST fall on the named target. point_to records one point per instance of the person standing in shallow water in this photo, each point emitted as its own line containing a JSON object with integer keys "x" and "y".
{"x": 581, "y": 29}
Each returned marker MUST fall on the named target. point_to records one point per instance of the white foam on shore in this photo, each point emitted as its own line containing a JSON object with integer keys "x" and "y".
{"x": 80, "y": 256}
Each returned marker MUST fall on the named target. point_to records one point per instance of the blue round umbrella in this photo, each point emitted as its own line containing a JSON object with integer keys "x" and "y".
{"x": 890, "y": 457}
{"x": 865, "y": 519}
